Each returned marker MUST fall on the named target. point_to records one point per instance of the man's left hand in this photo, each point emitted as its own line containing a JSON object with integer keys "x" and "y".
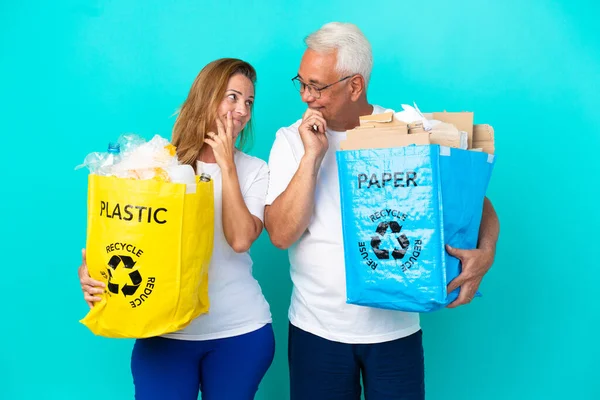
{"x": 475, "y": 264}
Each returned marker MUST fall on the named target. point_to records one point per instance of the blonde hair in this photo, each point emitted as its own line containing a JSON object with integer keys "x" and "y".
{"x": 199, "y": 111}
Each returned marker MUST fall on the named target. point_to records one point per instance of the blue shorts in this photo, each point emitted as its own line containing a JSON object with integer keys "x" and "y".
{"x": 229, "y": 368}
{"x": 321, "y": 369}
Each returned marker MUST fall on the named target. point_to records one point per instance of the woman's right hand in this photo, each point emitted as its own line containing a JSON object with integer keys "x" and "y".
{"x": 90, "y": 287}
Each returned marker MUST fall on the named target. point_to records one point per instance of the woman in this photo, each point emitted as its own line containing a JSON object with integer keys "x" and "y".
{"x": 225, "y": 353}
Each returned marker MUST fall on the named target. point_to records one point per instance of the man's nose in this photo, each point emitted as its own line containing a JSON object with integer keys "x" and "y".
{"x": 307, "y": 96}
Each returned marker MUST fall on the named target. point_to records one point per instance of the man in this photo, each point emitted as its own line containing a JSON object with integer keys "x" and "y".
{"x": 332, "y": 343}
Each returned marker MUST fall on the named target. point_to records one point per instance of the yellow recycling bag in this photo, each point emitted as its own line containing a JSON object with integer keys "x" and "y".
{"x": 150, "y": 242}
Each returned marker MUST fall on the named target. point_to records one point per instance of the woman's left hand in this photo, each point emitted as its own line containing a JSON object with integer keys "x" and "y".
{"x": 223, "y": 144}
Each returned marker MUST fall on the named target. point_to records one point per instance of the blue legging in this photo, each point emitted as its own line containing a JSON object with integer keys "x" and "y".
{"x": 229, "y": 368}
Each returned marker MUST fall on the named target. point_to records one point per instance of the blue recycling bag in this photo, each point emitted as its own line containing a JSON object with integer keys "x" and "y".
{"x": 400, "y": 206}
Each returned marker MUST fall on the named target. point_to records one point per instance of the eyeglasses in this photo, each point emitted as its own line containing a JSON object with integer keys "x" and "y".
{"x": 312, "y": 89}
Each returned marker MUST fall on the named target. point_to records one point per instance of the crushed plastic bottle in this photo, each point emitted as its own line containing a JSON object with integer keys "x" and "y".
{"x": 135, "y": 158}
{"x": 129, "y": 141}
{"x": 101, "y": 163}
{"x": 113, "y": 156}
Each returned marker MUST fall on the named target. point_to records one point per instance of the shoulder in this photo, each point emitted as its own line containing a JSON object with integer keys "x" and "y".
{"x": 289, "y": 133}
{"x": 249, "y": 163}
{"x": 287, "y": 139}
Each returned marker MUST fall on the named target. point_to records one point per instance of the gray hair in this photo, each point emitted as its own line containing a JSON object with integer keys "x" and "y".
{"x": 354, "y": 54}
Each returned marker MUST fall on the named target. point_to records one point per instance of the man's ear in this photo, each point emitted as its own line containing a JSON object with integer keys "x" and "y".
{"x": 357, "y": 87}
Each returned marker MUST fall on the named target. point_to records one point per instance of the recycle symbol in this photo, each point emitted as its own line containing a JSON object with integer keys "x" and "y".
{"x": 118, "y": 262}
{"x": 382, "y": 230}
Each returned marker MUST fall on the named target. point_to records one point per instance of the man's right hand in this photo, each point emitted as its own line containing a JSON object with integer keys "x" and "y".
{"x": 315, "y": 142}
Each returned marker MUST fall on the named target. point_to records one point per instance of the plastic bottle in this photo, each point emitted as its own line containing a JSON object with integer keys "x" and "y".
{"x": 205, "y": 177}
{"x": 114, "y": 150}
{"x": 113, "y": 156}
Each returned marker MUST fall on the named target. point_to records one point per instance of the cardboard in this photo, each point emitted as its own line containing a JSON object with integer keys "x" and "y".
{"x": 415, "y": 127}
{"x": 486, "y": 147}
{"x": 384, "y": 117}
{"x": 444, "y": 139}
{"x": 386, "y": 140}
{"x": 463, "y": 121}
{"x": 483, "y": 132}
{"x": 445, "y": 134}
{"x": 385, "y": 120}
{"x": 483, "y": 138}
{"x": 370, "y": 131}
{"x": 380, "y": 131}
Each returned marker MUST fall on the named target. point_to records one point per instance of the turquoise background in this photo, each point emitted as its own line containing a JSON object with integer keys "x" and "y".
{"x": 76, "y": 74}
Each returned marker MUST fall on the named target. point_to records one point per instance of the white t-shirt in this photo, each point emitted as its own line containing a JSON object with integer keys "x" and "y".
{"x": 237, "y": 305}
{"x": 318, "y": 302}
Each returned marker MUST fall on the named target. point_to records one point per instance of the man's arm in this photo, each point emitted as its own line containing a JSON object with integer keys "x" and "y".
{"x": 476, "y": 263}
{"x": 288, "y": 216}
{"x": 489, "y": 229}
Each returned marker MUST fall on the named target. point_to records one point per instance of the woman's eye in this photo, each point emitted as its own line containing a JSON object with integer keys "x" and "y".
{"x": 232, "y": 97}
{"x": 249, "y": 103}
